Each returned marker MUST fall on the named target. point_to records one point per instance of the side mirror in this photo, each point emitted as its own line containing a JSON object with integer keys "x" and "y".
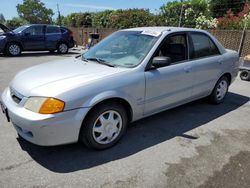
{"x": 161, "y": 61}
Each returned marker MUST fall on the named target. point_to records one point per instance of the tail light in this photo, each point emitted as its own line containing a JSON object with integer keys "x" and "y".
{"x": 71, "y": 34}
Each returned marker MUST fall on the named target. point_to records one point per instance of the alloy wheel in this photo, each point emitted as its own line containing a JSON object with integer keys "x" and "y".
{"x": 14, "y": 49}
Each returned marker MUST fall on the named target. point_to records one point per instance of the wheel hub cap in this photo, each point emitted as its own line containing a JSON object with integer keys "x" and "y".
{"x": 221, "y": 90}
{"x": 107, "y": 127}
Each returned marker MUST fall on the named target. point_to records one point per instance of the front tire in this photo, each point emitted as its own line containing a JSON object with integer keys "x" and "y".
{"x": 104, "y": 126}
{"x": 62, "y": 48}
{"x": 220, "y": 91}
{"x": 13, "y": 49}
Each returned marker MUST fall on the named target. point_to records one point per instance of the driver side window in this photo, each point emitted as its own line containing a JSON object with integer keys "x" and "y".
{"x": 34, "y": 30}
{"x": 175, "y": 47}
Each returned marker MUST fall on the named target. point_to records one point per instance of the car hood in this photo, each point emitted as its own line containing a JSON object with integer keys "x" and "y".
{"x": 68, "y": 73}
{"x": 4, "y": 28}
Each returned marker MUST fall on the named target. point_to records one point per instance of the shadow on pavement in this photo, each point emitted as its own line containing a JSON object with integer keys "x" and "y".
{"x": 140, "y": 135}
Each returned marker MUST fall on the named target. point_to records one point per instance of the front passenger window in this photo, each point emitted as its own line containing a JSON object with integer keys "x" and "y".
{"x": 35, "y": 30}
{"x": 175, "y": 47}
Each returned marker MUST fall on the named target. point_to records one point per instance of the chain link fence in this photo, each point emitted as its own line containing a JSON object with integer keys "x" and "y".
{"x": 230, "y": 39}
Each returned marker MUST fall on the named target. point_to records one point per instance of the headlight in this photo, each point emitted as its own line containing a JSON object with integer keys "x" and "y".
{"x": 44, "y": 105}
{"x": 2, "y": 37}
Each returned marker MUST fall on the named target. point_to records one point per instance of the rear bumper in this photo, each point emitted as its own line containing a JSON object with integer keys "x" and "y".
{"x": 71, "y": 43}
{"x": 44, "y": 130}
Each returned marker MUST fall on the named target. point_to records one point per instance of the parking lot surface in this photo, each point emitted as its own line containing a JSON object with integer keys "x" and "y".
{"x": 195, "y": 145}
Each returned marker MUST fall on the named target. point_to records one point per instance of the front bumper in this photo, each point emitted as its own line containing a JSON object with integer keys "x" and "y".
{"x": 2, "y": 45}
{"x": 44, "y": 130}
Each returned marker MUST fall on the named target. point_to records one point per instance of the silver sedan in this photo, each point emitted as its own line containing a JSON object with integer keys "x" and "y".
{"x": 131, "y": 74}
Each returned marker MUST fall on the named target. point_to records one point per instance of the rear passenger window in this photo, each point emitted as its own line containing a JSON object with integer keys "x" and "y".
{"x": 203, "y": 46}
{"x": 53, "y": 29}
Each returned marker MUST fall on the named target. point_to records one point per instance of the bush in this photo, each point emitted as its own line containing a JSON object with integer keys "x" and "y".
{"x": 15, "y": 22}
{"x": 123, "y": 18}
{"x": 232, "y": 21}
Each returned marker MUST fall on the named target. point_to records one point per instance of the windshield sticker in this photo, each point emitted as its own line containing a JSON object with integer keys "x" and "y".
{"x": 151, "y": 33}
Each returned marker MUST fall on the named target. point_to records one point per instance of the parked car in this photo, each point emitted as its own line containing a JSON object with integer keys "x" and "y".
{"x": 131, "y": 74}
{"x": 35, "y": 37}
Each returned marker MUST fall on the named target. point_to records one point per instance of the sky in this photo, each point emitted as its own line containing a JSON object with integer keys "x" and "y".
{"x": 8, "y": 7}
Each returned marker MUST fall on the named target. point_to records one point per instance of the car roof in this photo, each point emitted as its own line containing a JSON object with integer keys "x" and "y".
{"x": 163, "y": 29}
{"x": 42, "y": 25}
{"x": 155, "y": 31}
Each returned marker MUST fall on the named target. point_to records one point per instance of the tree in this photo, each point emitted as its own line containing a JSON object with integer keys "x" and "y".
{"x": 192, "y": 9}
{"x": 102, "y": 19}
{"x": 220, "y": 7}
{"x": 2, "y": 19}
{"x": 77, "y": 20}
{"x": 123, "y": 18}
{"x": 15, "y": 22}
{"x": 34, "y": 12}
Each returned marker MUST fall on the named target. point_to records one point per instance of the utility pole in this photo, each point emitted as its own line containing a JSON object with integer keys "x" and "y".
{"x": 59, "y": 14}
{"x": 180, "y": 17}
{"x": 243, "y": 36}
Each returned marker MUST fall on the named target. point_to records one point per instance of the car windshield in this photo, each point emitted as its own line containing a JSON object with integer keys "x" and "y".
{"x": 124, "y": 48}
{"x": 20, "y": 29}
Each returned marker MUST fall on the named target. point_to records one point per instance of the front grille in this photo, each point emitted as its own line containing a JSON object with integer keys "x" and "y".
{"x": 17, "y": 97}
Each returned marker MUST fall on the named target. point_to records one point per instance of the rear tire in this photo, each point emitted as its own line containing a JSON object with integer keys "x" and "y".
{"x": 62, "y": 48}
{"x": 13, "y": 49}
{"x": 220, "y": 91}
{"x": 104, "y": 126}
{"x": 245, "y": 75}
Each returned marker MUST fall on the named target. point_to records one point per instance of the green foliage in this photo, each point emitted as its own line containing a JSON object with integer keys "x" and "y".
{"x": 84, "y": 19}
{"x": 2, "y": 19}
{"x": 102, "y": 19}
{"x": 124, "y": 18}
{"x": 15, "y": 22}
{"x": 192, "y": 9}
{"x": 231, "y": 14}
{"x": 220, "y": 7}
{"x": 34, "y": 12}
{"x": 77, "y": 20}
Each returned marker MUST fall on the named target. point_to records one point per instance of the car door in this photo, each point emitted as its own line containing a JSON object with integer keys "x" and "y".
{"x": 208, "y": 61}
{"x": 33, "y": 38}
{"x": 171, "y": 85}
{"x": 53, "y": 36}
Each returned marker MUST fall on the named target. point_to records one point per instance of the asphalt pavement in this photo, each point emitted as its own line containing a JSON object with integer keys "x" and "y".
{"x": 194, "y": 145}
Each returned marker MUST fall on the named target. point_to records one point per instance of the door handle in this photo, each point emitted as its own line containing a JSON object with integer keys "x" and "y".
{"x": 220, "y": 61}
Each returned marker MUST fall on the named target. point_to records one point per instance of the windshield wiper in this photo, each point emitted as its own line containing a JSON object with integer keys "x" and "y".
{"x": 100, "y": 61}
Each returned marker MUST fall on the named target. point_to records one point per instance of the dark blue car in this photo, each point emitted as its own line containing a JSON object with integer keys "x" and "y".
{"x": 35, "y": 37}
